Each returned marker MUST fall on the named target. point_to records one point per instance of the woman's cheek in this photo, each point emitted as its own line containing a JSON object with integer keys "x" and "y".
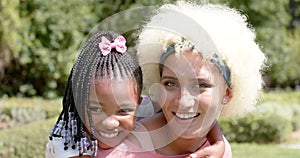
{"x": 163, "y": 95}
{"x": 205, "y": 101}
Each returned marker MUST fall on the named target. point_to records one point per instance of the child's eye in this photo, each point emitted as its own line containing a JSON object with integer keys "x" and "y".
{"x": 126, "y": 112}
{"x": 123, "y": 111}
{"x": 95, "y": 109}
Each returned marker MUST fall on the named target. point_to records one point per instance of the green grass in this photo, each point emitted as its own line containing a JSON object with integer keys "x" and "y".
{"x": 246, "y": 150}
{"x": 26, "y": 141}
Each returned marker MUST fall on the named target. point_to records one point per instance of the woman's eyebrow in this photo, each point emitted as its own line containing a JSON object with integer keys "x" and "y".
{"x": 199, "y": 79}
{"x": 168, "y": 77}
{"x": 202, "y": 79}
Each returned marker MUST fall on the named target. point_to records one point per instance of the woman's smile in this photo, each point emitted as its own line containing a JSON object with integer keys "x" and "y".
{"x": 186, "y": 116}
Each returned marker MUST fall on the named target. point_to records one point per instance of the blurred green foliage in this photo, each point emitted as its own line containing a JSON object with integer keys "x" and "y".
{"x": 253, "y": 150}
{"x": 276, "y": 116}
{"x": 258, "y": 127}
{"x": 39, "y": 39}
{"x": 282, "y": 103}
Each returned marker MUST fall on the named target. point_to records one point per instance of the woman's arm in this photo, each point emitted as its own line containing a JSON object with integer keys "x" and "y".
{"x": 217, "y": 147}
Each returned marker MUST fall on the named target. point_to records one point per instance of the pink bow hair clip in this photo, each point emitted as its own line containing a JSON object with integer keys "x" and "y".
{"x": 119, "y": 44}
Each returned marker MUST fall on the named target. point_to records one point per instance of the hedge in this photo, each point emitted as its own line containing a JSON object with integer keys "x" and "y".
{"x": 19, "y": 111}
{"x": 258, "y": 127}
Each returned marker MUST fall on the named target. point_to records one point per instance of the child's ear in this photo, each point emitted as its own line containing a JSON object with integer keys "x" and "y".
{"x": 140, "y": 100}
{"x": 228, "y": 95}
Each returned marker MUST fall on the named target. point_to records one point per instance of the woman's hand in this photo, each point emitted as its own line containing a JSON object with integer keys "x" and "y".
{"x": 213, "y": 151}
{"x": 217, "y": 147}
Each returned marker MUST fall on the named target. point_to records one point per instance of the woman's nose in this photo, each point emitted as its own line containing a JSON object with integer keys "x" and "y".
{"x": 110, "y": 123}
{"x": 186, "y": 101}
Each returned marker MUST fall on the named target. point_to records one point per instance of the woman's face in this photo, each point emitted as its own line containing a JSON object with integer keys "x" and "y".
{"x": 113, "y": 105}
{"x": 192, "y": 93}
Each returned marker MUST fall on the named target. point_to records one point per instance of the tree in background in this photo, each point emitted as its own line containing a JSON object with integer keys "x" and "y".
{"x": 10, "y": 25}
{"x": 49, "y": 33}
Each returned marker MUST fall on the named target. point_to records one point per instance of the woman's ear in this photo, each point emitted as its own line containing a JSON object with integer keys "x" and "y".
{"x": 228, "y": 96}
{"x": 157, "y": 93}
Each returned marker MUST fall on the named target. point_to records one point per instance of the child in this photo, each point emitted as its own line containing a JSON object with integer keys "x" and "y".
{"x": 93, "y": 87}
{"x": 100, "y": 102}
{"x": 204, "y": 57}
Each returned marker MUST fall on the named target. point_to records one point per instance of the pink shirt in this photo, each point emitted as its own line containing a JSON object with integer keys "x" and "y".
{"x": 130, "y": 150}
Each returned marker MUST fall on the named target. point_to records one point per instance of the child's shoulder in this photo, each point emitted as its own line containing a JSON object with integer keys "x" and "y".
{"x": 140, "y": 138}
{"x": 153, "y": 122}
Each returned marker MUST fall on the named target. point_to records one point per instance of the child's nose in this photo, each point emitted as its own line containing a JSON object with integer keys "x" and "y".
{"x": 110, "y": 123}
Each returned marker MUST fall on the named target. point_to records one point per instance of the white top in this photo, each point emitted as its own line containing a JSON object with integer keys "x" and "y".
{"x": 55, "y": 149}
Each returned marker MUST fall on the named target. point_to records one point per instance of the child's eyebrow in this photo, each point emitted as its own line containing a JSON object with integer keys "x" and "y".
{"x": 94, "y": 102}
{"x": 121, "y": 105}
{"x": 127, "y": 105}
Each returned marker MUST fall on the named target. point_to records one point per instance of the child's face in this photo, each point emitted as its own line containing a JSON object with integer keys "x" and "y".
{"x": 191, "y": 94}
{"x": 113, "y": 105}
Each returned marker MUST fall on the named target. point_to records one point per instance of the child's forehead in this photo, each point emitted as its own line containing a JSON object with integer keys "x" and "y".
{"x": 106, "y": 80}
{"x": 121, "y": 90}
{"x": 114, "y": 84}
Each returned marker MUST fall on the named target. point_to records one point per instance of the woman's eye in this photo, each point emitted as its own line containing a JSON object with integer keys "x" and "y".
{"x": 170, "y": 84}
{"x": 202, "y": 85}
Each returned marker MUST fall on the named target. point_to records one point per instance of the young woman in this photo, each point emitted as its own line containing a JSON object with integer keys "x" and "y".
{"x": 205, "y": 61}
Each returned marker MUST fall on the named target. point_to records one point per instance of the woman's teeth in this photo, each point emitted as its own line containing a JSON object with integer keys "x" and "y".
{"x": 108, "y": 135}
{"x": 187, "y": 115}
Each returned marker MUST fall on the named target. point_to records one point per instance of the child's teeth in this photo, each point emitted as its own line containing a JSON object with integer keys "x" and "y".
{"x": 107, "y": 135}
{"x": 186, "y": 116}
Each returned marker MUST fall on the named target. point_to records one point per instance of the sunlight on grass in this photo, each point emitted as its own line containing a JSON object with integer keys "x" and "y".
{"x": 51, "y": 107}
{"x": 248, "y": 150}
{"x": 29, "y": 102}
